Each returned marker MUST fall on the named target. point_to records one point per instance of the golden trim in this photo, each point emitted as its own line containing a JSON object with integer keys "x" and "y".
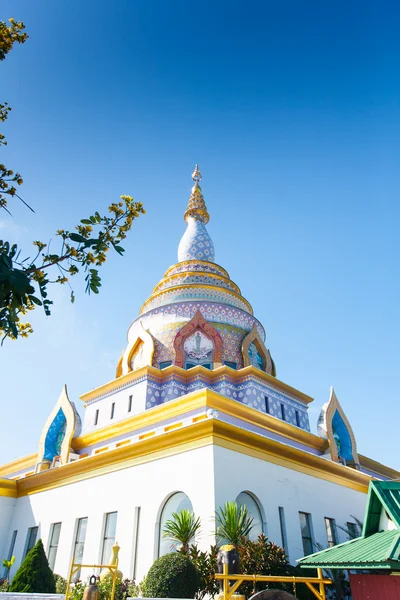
{"x": 172, "y": 427}
{"x": 189, "y": 262}
{"x": 19, "y": 464}
{"x": 197, "y": 285}
{"x": 8, "y": 488}
{"x": 193, "y": 274}
{"x": 189, "y": 375}
{"x": 201, "y": 434}
{"x": 255, "y": 337}
{"x": 376, "y": 467}
{"x": 203, "y": 398}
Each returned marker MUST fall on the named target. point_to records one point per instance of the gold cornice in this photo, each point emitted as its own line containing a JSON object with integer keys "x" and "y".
{"x": 194, "y": 273}
{"x": 210, "y": 431}
{"x": 197, "y": 285}
{"x": 191, "y": 374}
{"x": 18, "y": 464}
{"x": 203, "y": 398}
{"x": 201, "y": 262}
{"x": 152, "y": 416}
{"x": 376, "y": 467}
{"x": 8, "y": 488}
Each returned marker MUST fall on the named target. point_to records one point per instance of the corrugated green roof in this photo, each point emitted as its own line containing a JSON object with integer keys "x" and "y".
{"x": 386, "y": 494}
{"x": 378, "y": 551}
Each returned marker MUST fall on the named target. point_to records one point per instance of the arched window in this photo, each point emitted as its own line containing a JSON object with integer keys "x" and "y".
{"x": 175, "y": 503}
{"x": 254, "y": 510}
{"x": 198, "y": 350}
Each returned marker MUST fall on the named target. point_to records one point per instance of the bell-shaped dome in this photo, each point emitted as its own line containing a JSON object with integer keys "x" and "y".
{"x": 196, "y": 291}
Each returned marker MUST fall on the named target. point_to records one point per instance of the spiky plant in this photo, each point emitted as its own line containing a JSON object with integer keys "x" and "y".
{"x": 233, "y": 523}
{"x": 182, "y": 528}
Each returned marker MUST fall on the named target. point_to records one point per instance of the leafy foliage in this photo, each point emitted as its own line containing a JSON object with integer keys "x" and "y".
{"x": 182, "y": 528}
{"x": 34, "y": 575}
{"x": 261, "y": 557}
{"x": 61, "y": 584}
{"x": 24, "y": 281}
{"x": 171, "y": 576}
{"x": 206, "y": 565}
{"x": 123, "y": 589}
{"x": 7, "y": 564}
{"x": 233, "y": 523}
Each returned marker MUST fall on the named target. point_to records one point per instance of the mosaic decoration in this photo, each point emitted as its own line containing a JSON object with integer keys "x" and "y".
{"x": 255, "y": 357}
{"x": 196, "y": 242}
{"x": 255, "y": 353}
{"x": 196, "y": 265}
{"x": 198, "y": 347}
{"x": 195, "y": 278}
{"x": 197, "y": 323}
{"x": 55, "y": 436}
{"x": 251, "y": 392}
{"x": 200, "y": 292}
{"x": 62, "y": 425}
{"x": 334, "y": 426}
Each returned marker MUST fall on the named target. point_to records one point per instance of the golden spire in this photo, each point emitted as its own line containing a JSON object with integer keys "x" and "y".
{"x": 196, "y": 207}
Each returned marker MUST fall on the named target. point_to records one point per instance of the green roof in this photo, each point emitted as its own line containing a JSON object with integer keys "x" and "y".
{"x": 378, "y": 551}
{"x": 386, "y": 494}
{"x": 374, "y": 549}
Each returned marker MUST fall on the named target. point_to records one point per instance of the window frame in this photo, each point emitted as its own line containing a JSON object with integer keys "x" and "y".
{"x": 282, "y": 525}
{"x": 105, "y": 537}
{"x": 28, "y": 539}
{"x": 331, "y": 531}
{"x": 77, "y": 542}
{"x": 50, "y": 560}
{"x": 310, "y": 538}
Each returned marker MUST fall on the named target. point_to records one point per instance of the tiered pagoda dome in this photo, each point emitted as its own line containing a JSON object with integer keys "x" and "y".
{"x": 196, "y": 315}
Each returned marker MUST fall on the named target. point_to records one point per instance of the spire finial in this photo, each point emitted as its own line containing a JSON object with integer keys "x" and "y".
{"x": 196, "y": 207}
{"x": 196, "y": 175}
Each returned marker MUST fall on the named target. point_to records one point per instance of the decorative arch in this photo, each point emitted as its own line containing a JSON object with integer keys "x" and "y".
{"x": 174, "y": 502}
{"x": 144, "y": 343}
{"x": 198, "y": 322}
{"x": 334, "y": 426}
{"x": 62, "y": 425}
{"x": 254, "y": 340}
{"x": 255, "y": 510}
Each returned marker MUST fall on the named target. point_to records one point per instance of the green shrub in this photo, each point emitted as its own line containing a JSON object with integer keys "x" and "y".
{"x": 61, "y": 584}
{"x": 206, "y": 566}
{"x": 34, "y": 575}
{"x": 171, "y": 576}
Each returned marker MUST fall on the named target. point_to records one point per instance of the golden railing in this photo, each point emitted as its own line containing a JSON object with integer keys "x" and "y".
{"x": 75, "y": 567}
{"x": 315, "y": 584}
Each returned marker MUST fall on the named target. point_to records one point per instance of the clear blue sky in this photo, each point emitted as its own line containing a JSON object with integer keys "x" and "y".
{"x": 291, "y": 110}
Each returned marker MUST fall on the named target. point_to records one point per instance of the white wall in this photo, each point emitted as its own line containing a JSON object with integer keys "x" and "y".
{"x": 147, "y": 486}
{"x": 276, "y": 486}
{"x": 209, "y": 476}
{"x": 121, "y": 399}
{"x": 7, "y": 506}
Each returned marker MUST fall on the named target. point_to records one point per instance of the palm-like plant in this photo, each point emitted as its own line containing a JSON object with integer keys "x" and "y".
{"x": 182, "y": 528}
{"x": 233, "y": 523}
